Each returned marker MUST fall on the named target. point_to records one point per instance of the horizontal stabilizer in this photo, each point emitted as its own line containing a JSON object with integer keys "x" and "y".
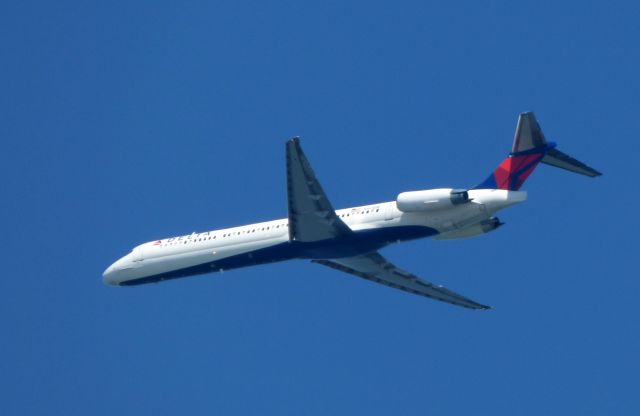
{"x": 562, "y": 160}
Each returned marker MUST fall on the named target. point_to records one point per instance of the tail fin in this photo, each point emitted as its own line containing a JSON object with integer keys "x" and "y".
{"x": 529, "y": 149}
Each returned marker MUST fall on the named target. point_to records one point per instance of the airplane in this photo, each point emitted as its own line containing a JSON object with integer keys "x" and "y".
{"x": 349, "y": 239}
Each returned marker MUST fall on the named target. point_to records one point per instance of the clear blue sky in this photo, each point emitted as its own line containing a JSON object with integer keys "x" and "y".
{"x": 124, "y": 122}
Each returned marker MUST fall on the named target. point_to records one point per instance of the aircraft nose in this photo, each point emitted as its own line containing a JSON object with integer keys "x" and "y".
{"x": 109, "y": 276}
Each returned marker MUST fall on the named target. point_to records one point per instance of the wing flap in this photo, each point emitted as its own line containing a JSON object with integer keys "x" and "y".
{"x": 377, "y": 269}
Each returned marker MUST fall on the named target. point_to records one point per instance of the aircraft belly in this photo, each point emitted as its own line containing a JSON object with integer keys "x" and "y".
{"x": 362, "y": 242}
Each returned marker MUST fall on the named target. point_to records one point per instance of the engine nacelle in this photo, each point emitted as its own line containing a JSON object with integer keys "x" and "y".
{"x": 431, "y": 200}
{"x": 477, "y": 229}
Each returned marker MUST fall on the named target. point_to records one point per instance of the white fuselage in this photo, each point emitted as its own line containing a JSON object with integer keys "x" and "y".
{"x": 376, "y": 225}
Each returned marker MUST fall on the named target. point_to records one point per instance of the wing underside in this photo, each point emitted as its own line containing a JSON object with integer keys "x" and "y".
{"x": 311, "y": 216}
{"x": 376, "y": 268}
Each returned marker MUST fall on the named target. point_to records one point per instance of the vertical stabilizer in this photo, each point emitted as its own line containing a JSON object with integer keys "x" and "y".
{"x": 528, "y": 135}
{"x": 529, "y": 149}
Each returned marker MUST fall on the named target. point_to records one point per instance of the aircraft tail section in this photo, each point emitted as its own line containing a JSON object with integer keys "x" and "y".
{"x": 555, "y": 157}
{"x": 530, "y": 147}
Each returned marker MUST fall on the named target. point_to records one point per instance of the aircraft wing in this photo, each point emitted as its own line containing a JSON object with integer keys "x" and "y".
{"x": 376, "y": 268}
{"x": 311, "y": 216}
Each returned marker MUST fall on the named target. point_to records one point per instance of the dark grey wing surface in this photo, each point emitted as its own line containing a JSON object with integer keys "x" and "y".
{"x": 311, "y": 216}
{"x": 376, "y": 268}
{"x": 555, "y": 157}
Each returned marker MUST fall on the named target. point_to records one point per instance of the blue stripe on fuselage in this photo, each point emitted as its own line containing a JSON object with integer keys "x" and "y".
{"x": 360, "y": 242}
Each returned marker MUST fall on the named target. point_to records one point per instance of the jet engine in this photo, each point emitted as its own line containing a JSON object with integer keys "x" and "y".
{"x": 431, "y": 200}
